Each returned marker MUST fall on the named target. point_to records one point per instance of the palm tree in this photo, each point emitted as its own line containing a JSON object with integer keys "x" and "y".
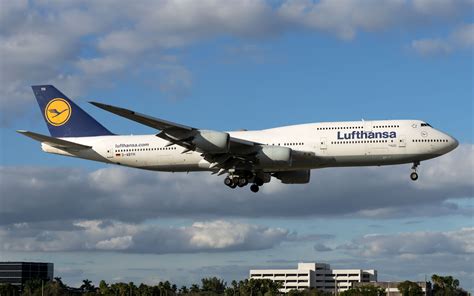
{"x": 87, "y": 286}
{"x": 194, "y": 288}
{"x": 183, "y": 290}
{"x": 408, "y": 288}
{"x": 213, "y": 285}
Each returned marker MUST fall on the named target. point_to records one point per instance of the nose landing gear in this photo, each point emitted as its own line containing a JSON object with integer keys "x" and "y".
{"x": 414, "y": 174}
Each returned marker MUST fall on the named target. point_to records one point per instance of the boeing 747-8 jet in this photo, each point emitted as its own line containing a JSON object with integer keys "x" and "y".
{"x": 287, "y": 153}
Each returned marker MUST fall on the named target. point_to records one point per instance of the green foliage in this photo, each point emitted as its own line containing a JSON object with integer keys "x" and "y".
{"x": 442, "y": 286}
{"x": 183, "y": 290}
{"x": 194, "y": 289}
{"x": 48, "y": 288}
{"x": 212, "y": 286}
{"x": 308, "y": 292}
{"x": 446, "y": 286}
{"x": 253, "y": 287}
{"x": 87, "y": 286}
{"x": 365, "y": 290}
{"x": 9, "y": 290}
{"x": 54, "y": 288}
{"x": 408, "y": 288}
{"x": 31, "y": 286}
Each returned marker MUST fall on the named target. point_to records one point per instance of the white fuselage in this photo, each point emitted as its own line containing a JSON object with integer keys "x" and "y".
{"x": 314, "y": 145}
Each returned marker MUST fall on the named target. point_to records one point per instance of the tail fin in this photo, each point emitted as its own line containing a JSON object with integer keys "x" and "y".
{"x": 63, "y": 117}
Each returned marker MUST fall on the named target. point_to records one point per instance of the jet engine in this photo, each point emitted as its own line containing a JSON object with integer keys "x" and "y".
{"x": 271, "y": 156}
{"x": 294, "y": 177}
{"x": 212, "y": 141}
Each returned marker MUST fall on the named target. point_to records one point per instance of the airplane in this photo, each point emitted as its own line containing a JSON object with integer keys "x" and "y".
{"x": 287, "y": 153}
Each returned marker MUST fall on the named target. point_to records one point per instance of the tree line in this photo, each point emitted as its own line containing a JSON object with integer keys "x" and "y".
{"x": 213, "y": 286}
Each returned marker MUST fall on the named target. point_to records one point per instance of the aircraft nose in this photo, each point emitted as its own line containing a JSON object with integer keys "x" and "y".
{"x": 454, "y": 143}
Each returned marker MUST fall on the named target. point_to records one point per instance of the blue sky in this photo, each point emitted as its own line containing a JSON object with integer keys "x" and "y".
{"x": 230, "y": 65}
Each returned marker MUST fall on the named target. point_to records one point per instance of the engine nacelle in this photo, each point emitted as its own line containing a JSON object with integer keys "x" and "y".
{"x": 294, "y": 177}
{"x": 270, "y": 156}
{"x": 212, "y": 141}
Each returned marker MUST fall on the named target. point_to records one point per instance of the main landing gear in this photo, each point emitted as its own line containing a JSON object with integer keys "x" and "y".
{"x": 241, "y": 181}
{"x": 414, "y": 174}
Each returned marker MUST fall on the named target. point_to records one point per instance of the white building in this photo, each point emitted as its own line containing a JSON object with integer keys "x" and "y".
{"x": 315, "y": 275}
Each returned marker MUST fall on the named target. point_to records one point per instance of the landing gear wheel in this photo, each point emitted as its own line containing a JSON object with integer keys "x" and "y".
{"x": 243, "y": 182}
{"x": 235, "y": 180}
{"x": 233, "y": 185}
{"x": 228, "y": 181}
{"x": 254, "y": 188}
{"x": 414, "y": 175}
{"x": 258, "y": 181}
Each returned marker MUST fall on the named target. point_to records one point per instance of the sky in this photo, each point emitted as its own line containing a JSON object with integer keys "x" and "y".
{"x": 229, "y": 65}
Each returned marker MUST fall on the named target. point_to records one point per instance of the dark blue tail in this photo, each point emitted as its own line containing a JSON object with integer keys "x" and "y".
{"x": 63, "y": 117}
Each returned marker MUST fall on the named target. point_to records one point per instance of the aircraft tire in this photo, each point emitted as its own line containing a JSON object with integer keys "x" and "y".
{"x": 414, "y": 176}
{"x": 235, "y": 180}
{"x": 243, "y": 182}
{"x": 258, "y": 181}
{"x": 228, "y": 181}
{"x": 254, "y": 188}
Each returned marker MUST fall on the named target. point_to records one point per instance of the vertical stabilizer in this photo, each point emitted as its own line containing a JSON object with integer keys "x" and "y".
{"x": 63, "y": 117}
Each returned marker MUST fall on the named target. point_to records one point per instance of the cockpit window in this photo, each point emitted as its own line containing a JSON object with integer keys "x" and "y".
{"x": 425, "y": 124}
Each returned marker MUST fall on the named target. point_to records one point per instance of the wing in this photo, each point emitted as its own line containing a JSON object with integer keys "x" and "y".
{"x": 238, "y": 151}
{"x": 54, "y": 142}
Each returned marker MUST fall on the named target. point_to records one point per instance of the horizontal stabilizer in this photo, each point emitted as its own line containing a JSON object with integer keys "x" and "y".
{"x": 54, "y": 142}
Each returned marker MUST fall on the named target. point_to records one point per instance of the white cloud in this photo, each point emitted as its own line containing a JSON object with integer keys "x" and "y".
{"x": 45, "y": 41}
{"x": 431, "y": 46}
{"x": 441, "y": 7}
{"x": 461, "y": 38}
{"x": 135, "y": 195}
{"x": 413, "y": 255}
{"x": 95, "y": 66}
{"x": 320, "y": 247}
{"x": 176, "y": 81}
{"x": 410, "y": 244}
{"x": 115, "y": 243}
{"x": 125, "y": 41}
{"x": 208, "y": 236}
{"x": 9, "y": 12}
{"x": 345, "y": 17}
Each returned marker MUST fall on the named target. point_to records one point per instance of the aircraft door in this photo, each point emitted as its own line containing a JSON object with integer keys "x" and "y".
{"x": 402, "y": 143}
{"x": 323, "y": 144}
{"x": 109, "y": 152}
{"x": 367, "y": 126}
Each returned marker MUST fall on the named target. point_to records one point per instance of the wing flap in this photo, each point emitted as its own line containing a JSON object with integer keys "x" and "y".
{"x": 54, "y": 142}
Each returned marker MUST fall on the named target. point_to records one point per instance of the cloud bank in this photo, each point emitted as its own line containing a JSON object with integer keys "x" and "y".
{"x": 461, "y": 38}
{"x": 85, "y": 44}
{"x": 97, "y": 235}
{"x": 31, "y": 194}
{"x": 460, "y": 242}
